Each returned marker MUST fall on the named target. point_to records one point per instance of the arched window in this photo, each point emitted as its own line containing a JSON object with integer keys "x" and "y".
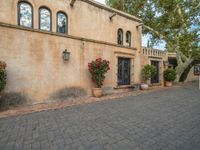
{"x": 120, "y": 37}
{"x": 45, "y": 19}
{"x": 25, "y": 14}
{"x": 128, "y": 38}
{"x": 62, "y": 23}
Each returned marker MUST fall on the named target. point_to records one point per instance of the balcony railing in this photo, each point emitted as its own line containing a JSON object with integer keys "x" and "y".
{"x": 153, "y": 52}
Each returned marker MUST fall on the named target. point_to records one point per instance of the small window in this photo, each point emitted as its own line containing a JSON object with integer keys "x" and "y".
{"x": 62, "y": 23}
{"x": 25, "y": 14}
{"x": 120, "y": 37}
{"x": 45, "y": 19}
{"x": 128, "y": 38}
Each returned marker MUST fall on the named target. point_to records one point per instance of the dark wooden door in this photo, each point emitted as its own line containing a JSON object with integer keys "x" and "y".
{"x": 124, "y": 71}
{"x": 155, "y": 79}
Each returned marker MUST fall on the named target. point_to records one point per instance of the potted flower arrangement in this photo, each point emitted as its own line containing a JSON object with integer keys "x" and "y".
{"x": 148, "y": 72}
{"x": 98, "y": 68}
{"x": 169, "y": 76}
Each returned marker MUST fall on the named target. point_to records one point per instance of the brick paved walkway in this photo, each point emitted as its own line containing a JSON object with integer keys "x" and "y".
{"x": 163, "y": 120}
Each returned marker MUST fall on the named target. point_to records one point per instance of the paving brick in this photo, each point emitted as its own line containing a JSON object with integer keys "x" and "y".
{"x": 164, "y": 120}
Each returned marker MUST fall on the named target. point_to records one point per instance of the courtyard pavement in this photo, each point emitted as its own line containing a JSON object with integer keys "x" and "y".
{"x": 163, "y": 120}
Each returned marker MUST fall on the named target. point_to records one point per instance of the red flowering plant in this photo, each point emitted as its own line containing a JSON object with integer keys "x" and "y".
{"x": 2, "y": 65}
{"x": 98, "y": 68}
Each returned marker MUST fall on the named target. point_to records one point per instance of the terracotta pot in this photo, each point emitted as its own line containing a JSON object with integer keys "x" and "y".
{"x": 168, "y": 83}
{"x": 144, "y": 86}
{"x": 97, "y": 92}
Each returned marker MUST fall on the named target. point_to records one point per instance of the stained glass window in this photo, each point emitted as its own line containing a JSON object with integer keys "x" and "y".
{"x": 25, "y": 15}
{"x": 62, "y": 22}
{"x": 45, "y": 19}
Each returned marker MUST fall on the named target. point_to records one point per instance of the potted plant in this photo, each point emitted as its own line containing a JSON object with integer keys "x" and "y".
{"x": 169, "y": 76}
{"x": 98, "y": 68}
{"x": 148, "y": 72}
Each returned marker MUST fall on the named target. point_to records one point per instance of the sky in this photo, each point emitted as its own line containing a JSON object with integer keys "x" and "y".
{"x": 101, "y": 1}
{"x": 145, "y": 38}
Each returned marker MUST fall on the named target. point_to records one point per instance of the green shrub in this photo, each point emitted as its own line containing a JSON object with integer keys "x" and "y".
{"x": 169, "y": 74}
{"x": 2, "y": 79}
{"x": 148, "y": 72}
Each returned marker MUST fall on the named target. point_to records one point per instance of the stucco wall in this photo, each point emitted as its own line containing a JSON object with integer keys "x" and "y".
{"x": 84, "y": 20}
{"x": 34, "y": 58}
{"x": 35, "y": 66}
{"x": 148, "y": 55}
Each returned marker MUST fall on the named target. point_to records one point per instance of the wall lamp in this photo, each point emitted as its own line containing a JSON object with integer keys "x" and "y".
{"x": 141, "y": 24}
{"x": 113, "y": 15}
{"x": 66, "y": 55}
{"x": 72, "y": 3}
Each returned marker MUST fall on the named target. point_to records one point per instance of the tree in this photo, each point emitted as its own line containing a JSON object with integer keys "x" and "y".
{"x": 176, "y": 22}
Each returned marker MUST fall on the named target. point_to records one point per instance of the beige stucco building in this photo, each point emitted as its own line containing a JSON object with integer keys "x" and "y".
{"x": 162, "y": 60}
{"x": 32, "y": 45}
{"x": 34, "y": 34}
{"x": 159, "y": 59}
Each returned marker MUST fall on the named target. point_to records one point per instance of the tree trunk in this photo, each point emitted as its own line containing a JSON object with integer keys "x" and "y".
{"x": 181, "y": 68}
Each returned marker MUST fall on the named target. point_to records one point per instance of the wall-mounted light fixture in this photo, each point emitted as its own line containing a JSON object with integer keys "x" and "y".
{"x": 112, "y": 15}
{"x": 66, "y": 55}
{"x": 72, "y": 3}
{"x": 141, "y": 24}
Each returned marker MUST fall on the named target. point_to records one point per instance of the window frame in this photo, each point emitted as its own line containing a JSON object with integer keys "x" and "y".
{"x": 128, "y": 42}
{"x": 66, "y": 28}
{"x": 122, "y": 40}
{"x": 18, "y": 14}
{"x": 45, "y": 7}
